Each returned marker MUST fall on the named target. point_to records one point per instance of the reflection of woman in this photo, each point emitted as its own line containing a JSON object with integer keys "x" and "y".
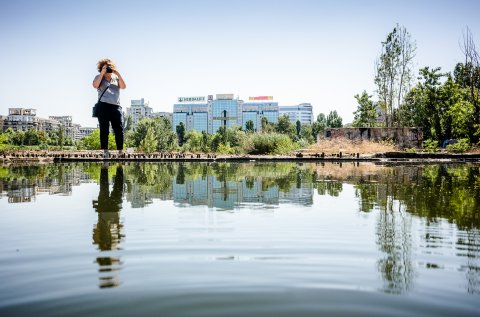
{"x": 107, "y": 233}
{"x": 108, "y": 83}
{"x": 110, "y": 202}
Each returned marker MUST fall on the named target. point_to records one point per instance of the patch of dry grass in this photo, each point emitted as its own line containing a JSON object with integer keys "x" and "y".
{"x": 336, "y": 145}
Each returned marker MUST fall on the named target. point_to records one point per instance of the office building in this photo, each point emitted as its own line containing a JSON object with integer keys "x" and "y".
{"x": 193, "y": 115}
{"x": 256, "y": 111}
{"x": 223, "y": 111}
{"x": 301, "y": 112}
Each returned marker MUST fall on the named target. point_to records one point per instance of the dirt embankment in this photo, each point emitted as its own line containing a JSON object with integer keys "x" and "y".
{"x": 337, "y": 145}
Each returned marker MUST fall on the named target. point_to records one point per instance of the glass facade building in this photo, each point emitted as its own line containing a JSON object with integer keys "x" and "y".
{"x": 272, "y": 116}
{"x": 177, "y": 118}
{"x": 255, "y": 111}
{"x": 200, "y": 121}
{"x": 249, "y": 116}
{"x": 302, "y": 112}
{"x": 193, "y": 116}
{"x": 223, "y": 111}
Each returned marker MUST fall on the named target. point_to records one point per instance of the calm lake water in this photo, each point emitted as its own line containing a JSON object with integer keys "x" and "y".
{"x": 240, "y": 239}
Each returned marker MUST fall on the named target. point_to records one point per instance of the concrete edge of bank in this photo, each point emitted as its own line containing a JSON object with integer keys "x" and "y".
{"x": 91, "y": 156}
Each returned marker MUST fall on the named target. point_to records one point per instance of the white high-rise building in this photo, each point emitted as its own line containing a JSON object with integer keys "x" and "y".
{"x": 302, "y": 112}
{"x": 139, "y": 109}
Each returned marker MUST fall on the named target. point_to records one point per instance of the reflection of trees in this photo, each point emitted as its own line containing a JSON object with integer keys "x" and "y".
{"x": 107, "y": 233}
{"x": 468, "y": 245}
{"x": 393, "y": 232}
{"x": 396, "y": 193}
{"x": 433, "y": 192}
{"x": 331, "y": 188}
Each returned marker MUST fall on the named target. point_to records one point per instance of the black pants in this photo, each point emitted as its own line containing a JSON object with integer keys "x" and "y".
{"x": 108, "y": 113}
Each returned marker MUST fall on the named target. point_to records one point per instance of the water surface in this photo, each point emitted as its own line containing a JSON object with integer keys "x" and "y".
{"x": 240, "y": 239}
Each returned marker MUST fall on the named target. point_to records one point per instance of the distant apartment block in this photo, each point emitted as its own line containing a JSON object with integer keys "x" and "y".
{"x": 139, "y": 109}
{"x": 302, "y": 112}
{"x": 84, "y": 132}
{"x": 71, "y": 129}
{"x": 24, "y": 119}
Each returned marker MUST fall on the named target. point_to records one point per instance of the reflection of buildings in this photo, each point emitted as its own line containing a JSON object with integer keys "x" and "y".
{"x": 299, "y": 196}
{"x": 21, "y": 190}
{"x": 211, "y": 192}
{"x": 140, "y": 195}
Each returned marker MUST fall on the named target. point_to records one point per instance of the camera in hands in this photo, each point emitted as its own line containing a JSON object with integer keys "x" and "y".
{"x": 109, "y": 69}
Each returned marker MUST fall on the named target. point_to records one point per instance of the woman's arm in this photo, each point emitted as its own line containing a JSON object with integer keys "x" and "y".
{"x": 121, "y": 82}
{"x": 98, "y": 79}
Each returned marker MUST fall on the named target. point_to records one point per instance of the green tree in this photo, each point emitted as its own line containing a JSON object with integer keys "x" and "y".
{"x": 412, "y": 111}
{"x": 334, "y": 120}
{"x": 18, "y": 138}
{"x": 193, "y": 141}
{"x": 128, "y": 123}
{"x": 135, "y": 136}
{"x": 462, "y": 116}
{"x": 319, "y": 125}
{"x": 52, "y": 138}
{"x": 61, "y": 136}
{"x": 4, "y": 140}
{"x": 298, "y": 127}
{"x": 149, "y": 144}
{"x": 394, "y": 71}
{"x": 31, "y": 137}
{"x": 92, "y": 141}
{"x": 423, "y": 103}
{"x": 249, "y": 126}
{"x": 180, "y": 129}
{"x": 285, "y": 126}
{"x": 205, "y": 142}
{"x": 467, "y": 76}
{"x": 42, "y": 137}
{"x": 267, "y": 127}
{"x": 307, "y": 133}
{"x": 366, "y": 114}
{"x": 165, "y": 137}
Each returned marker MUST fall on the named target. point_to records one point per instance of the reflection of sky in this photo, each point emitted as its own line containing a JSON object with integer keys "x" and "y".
{"x": 327, "y": 245}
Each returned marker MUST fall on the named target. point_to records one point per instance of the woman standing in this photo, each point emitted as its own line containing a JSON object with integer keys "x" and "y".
{"x": 109, "y": 82}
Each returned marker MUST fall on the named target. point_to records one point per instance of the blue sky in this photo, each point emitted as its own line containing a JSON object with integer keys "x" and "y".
{"x": 322, "y": 52}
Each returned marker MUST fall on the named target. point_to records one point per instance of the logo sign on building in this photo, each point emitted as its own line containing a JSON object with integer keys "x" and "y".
{"x": 210, "y": 97}
{"x": 261, "y": 98}
{"x": 191, "y": 99}
{"x": 224, "y": 96}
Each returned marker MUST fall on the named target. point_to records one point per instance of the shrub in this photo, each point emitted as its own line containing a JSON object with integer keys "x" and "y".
{"x": 430, "y": 145}
{"x": 225, "y": 149}
{"x": 461, "y": 146}
{"x": 272, "y": 143}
